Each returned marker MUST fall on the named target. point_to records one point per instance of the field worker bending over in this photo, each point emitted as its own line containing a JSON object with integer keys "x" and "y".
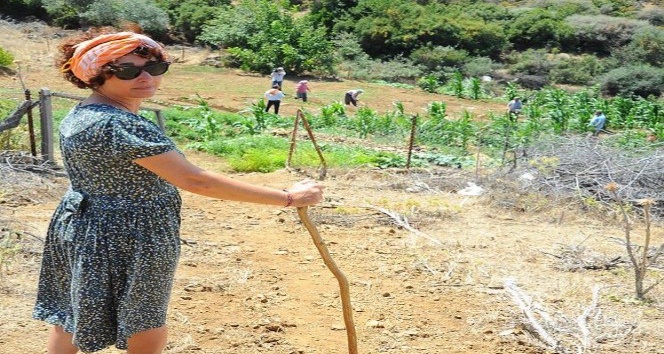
{"x": 113, "y": 242}
{"x": 597, "y": 122}
{"x": 351, "y": 97}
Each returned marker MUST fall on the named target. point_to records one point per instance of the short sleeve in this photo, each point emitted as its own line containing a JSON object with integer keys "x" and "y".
{"x": 133, "y": 137}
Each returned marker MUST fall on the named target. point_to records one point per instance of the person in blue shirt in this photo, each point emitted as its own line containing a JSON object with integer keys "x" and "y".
{"x": 597, "y": 122}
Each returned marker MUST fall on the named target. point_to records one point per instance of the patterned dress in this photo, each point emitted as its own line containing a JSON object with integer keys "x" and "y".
{"x": 113, "y": 242}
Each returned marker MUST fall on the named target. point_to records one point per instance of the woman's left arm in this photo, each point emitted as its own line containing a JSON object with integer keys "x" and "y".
{"x": 177, "y": 170}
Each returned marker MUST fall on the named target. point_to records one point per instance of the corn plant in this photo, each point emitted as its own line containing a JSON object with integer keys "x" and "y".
{"x": 330, "y": 114}
{"x": 429, "y": 83}
{"x": 392, "y": 123}
{"x": 456, "y": 84}
{"x": 476, "y": 91}
{"x": 463, "y": 129}
{"x": 511, "y": 91}
{"x": 364, "y": 122}
{"x": 206, "y": 125}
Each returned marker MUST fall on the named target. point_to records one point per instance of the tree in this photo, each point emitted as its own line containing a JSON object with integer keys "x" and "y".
{"x": 260, "y": 35}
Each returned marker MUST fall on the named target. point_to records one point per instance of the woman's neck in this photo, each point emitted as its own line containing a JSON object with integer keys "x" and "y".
{"x": 125, "y": 105}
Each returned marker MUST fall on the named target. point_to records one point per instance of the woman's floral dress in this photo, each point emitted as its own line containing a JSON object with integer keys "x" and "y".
{"x": 113, "y": 242}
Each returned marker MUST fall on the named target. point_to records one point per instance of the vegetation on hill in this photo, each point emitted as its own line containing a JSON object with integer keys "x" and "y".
{"x": 539, "y": 43}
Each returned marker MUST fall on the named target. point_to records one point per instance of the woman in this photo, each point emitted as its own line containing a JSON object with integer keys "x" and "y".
{"x": 301, "y": 89}
{"x": 351, "y": 97}
{"x": 273, "y": 97}
{"x": 113, "y": 242}
{"x": 278, "y": 77}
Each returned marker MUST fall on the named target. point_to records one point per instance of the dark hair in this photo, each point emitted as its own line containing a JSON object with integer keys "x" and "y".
{"x": 67, "y": 51}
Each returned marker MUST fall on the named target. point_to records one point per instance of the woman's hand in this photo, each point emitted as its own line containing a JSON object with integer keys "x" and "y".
{"x": 307, "y": 192}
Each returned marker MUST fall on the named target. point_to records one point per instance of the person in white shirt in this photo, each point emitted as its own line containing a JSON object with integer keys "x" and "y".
{"x": 273, "y": 97}
{"x": 278, "y": 77}
{"x": 351, "y": 97}
{"x": 514, "y": 108}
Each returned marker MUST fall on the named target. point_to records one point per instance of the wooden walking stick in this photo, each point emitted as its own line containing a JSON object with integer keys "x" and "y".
{"x": 341, "y": 278}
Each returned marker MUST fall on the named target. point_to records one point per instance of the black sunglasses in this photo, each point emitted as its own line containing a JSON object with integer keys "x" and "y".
{"x": 130, "y": 72}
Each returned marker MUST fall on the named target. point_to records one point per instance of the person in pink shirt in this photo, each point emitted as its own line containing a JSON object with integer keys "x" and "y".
{"x": 302, "y": 88}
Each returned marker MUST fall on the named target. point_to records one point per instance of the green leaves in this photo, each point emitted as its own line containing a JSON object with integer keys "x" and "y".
{"x": 260, "y": 35}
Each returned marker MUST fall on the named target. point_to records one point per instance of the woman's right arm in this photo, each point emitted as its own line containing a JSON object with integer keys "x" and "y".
{"x": 177, "y": 170}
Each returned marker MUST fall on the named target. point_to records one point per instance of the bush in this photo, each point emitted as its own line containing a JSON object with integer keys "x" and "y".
{"x": 261, "y": 35}
{"x": 654, "y": 15}
{"x": 537, "y": 28}
{"x": 564, "y": 8}
{"x": 600, "y": 34}
{"x": 581, "y": 70}
{"x": 189, "y": 16}
{"x": 533, "y": 82}
{"x": 640, "y": 80}
{"x": 531, "y": 62}
{"x": 6, "y": 58}
{"x": 477, "y": 67}
{"x": 437, "y": 57}
{"x": 152, "y": 19}
{"x": 647, "y": 46}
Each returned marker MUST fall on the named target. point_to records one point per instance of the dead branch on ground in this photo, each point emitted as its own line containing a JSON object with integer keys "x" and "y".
{"x": 403, "y": 222}
{"x": 561, "y": 334}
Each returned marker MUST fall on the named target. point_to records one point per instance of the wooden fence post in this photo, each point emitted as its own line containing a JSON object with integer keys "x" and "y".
{"x": 46, "y": 120}
{"x": 31, "y": 125}
{"x": 411, "y": 142}
{"x": 160, "y": 120}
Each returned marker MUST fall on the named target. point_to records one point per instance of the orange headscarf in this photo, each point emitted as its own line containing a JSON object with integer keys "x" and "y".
{"x": 91, "y": 55}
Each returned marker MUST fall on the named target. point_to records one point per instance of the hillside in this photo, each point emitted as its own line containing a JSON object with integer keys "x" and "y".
{"x": 250, "y": 280}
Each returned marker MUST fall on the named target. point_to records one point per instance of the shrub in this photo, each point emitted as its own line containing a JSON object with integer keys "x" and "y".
{"x": 436, "y": 57}
{"x": 533, "y": 82}
{"x": 639, "y": 80}
{"x": 564, "y": 8}
{"x": 189, "y": 16}
{"x": 581, "y": 70}
{"x": 600, "y": 34}
{"x": 152, "y": 19}
{"x": 6, "y": 58}
{"x": 531, "y": 62}
{"x": 647, "y": 46}
{"x": 537, "y": 28}
{"x": 260, "y": 36}
{"x": 478, "y": 66}
{"x": 654, "y": 15}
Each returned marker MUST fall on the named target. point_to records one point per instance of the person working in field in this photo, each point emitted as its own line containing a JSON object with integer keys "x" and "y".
{"x": 113, "y": 242}
{"x": 514, "y": 108}
{"x": 597, "y": 122}
{"x": 274, "y": 97}
{"x": 278, "y": 77}
{"x": 301, "y": 90}
{"x": 351, "y": 97}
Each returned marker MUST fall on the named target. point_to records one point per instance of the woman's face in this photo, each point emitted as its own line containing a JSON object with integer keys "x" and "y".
{"x": 141, "y": 87}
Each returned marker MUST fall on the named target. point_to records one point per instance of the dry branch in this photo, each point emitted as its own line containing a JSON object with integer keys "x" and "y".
{"x": 403, "y": 222}
{"x": 583, "y": 167}
{"x": 566, "y": 335}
